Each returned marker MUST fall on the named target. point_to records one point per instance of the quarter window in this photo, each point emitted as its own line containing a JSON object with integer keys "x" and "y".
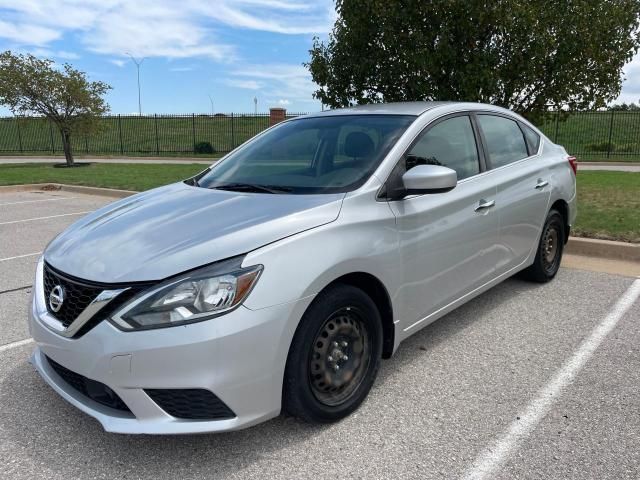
{"x": 505, "y": 141}
{"x": 533, "y": 139}
{"x": 450, "y": 143}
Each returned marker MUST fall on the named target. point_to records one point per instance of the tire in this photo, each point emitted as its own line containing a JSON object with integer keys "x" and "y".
{"x": 549, "y": 251}
{"x": 342, "y": 327}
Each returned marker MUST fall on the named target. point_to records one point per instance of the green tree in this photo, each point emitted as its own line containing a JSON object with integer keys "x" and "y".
{"x": 523, "y": 55}
{"x": 32, "y": 86}
{"x": 624, "y": 107}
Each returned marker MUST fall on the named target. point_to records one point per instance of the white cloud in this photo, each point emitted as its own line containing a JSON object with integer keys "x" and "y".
{"x": 156, "y": 28}
{"x": 24, "y": 33}
{"x": 284, "y": 101}
{"x": 118, "y": 62}
{"x": 181, "y": 69}
{"x": 281, "y": 81}
{"x": 65, "y": 55}
{"x": 246, "y": 84}
{"x": 631, "y": 85}
{"x": 270, "y": 16}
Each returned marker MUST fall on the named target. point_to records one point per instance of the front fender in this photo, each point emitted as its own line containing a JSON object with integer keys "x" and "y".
{"x": 363, "y": 239}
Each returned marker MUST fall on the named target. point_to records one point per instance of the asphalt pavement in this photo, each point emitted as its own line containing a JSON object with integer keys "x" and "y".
{"x": 526, "y": 381}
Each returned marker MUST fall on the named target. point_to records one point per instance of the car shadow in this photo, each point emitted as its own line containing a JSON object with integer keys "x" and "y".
{"x": 454, "y": 324}
{"x": 67, "y": 442}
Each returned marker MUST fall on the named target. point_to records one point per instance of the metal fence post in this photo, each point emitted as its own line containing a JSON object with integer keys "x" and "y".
{"x": 19, "y": 134}
{"x": 193, "y": 128}
{"x": 233, "y": 134}
{"x": 53, "y": 148}
{"x": 120, "y": 134}
{"x": 155, "y": 120}
{"x": 609, "y": 145}
{"x": 555, "y": 140}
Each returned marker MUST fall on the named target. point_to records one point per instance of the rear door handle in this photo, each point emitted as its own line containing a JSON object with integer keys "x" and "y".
{"x": 541, "y": 184}
{"x": 484, "y": 204}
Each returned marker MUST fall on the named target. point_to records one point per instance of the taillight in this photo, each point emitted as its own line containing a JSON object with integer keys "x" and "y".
{"x": 574, "y": 164}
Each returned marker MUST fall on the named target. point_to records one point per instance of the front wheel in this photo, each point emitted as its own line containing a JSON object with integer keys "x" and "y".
{"x": 334, "y": 356}
{"x": 550, "y": 248}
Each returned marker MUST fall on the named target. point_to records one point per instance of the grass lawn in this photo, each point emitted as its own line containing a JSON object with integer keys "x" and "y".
{"x": 609, "y": 206}
{"x": 608, "y": 202}
{"x": 126, "y": 176}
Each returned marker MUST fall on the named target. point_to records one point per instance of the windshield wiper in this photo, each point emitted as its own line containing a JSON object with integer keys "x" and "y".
{"x": 248, "y": 187}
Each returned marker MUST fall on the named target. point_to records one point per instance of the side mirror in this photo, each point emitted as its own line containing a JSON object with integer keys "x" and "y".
{"x": 423, "y": 179}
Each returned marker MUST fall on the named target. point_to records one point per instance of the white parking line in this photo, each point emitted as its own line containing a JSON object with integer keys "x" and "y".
{"x": 20, "y": 256}
{"x": 9, "y": 346}
{"x": 36, "y": 201}
{"x": 493, "y": 457}
{"x": 44, "y": 218}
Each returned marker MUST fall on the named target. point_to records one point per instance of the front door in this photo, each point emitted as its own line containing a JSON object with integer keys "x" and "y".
{"x": 447, "y": 240}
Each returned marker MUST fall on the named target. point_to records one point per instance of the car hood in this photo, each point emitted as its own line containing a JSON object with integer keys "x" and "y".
{"x": 171, "y": 229}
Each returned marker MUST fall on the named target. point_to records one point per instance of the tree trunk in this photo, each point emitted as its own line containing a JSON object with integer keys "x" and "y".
{"x": 66, "y": 145}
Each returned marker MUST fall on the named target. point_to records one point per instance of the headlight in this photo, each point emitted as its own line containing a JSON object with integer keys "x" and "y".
{"x": 193, "y": 297}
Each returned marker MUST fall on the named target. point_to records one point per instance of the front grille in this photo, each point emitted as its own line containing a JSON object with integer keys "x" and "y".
{"x": 191, "y": 404}
{"x": 96, "y": 391}
{"x": 77, "y": 296}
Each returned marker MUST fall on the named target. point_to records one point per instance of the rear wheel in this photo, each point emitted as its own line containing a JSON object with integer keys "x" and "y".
{"x": 549, "y": 253}
{"x": 334, "y": 356}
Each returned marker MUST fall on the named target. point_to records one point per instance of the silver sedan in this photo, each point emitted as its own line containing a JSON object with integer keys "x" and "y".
{"x": 278, "y": 278}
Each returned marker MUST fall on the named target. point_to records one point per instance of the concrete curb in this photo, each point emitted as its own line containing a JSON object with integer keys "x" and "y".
{"x": 105, "y": 192}
{"x": 586, "y": 247}
{"x": 607, "y": 164}
{"x": 590, "y": 247}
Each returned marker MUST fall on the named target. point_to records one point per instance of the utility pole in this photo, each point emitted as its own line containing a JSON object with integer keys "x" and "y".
{"x": 255, "y": 105}
{"x": 211, "y": 100}
{"x": 138, "y": 63}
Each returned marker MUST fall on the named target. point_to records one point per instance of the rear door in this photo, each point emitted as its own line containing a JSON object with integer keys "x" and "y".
{"x": 447, "y": 240}
{"x": 522, "y": 179}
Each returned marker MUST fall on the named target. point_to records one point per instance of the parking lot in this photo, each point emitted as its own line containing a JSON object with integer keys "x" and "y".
{"x": 527, "y": 381}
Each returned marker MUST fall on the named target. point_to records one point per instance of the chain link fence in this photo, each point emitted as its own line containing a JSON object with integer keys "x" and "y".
{"x": 590, "y": 135}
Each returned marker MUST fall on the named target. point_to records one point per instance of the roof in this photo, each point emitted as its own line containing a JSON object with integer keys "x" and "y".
{"x": 398, "y": 108}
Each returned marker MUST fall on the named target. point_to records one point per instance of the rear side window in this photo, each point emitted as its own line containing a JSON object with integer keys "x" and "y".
{"x": 533, "y": 139}
{"x": 505, "y": 141}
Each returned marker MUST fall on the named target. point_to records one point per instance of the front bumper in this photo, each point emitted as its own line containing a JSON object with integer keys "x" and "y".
{"x": 240, "y": 357}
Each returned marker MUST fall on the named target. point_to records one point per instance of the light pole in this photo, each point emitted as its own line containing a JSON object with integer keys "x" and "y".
{"x": 138, "y": 63}
{"x": 255, "y": 105}
{"x": 211, "y": 100}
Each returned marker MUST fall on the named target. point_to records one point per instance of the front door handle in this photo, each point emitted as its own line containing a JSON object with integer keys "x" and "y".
{"x": 484, "y": 204}
{"x": 541, "y": 184}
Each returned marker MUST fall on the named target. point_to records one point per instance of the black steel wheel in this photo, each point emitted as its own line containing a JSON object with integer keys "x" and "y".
{"x": 334, "y": 356}
{"x": 549, "y": 254}
{"x": 340, "y": 356}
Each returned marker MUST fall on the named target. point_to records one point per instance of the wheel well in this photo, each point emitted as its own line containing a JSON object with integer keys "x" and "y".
{"x": 378, "y": 293}
{"x": 562, "y": 207}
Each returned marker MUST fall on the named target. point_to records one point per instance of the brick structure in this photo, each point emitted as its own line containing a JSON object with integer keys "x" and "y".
{"x": 276, "y": 115}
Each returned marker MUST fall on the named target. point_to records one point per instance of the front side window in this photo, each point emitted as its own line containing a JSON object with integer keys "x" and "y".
{"x": 504, "y": 140}
{"x": 310, "y": 155}
{"x": 450, "y": 143}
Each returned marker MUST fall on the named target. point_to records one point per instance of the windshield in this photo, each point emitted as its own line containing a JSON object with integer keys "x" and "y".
{"x": 310, "y": 155}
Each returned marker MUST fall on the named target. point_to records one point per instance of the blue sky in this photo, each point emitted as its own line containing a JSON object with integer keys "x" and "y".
{"x": 233, "y": 50}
